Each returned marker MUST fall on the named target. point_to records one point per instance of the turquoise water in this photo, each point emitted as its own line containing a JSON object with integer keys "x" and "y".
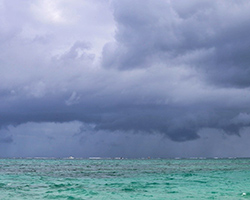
{"x": 125, "y": 179}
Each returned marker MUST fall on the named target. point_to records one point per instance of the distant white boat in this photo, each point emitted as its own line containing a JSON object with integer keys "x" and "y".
{"x": 95, "y": 158}
{"x": 118, "y": 158}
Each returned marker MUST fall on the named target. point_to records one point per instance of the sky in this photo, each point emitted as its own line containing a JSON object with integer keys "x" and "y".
{"x": 124, "y": 78}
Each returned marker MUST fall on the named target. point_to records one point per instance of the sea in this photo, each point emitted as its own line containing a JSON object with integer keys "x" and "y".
{"x": 196, "y": 178}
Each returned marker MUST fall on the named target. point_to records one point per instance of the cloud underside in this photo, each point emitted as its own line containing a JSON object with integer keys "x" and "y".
{"x": 167, "y": 67}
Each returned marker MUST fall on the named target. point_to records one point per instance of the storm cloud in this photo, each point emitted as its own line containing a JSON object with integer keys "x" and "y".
{"x": 170, "y": 70}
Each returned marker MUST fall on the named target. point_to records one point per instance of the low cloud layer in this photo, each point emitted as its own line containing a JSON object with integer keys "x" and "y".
{"x": 168, "y": 68}
{"x": 49, "y": 139}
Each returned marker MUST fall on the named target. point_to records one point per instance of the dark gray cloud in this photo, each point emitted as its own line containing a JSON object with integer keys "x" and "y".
{"x": 167, "y": 69}
{"x": 211, "y": 36}
{"x": 7, "y": 139}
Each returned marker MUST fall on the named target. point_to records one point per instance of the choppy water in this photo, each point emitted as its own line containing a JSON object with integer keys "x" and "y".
{"x": 125, "y": 179}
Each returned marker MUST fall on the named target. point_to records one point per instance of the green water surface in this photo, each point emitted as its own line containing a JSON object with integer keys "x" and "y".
{"x": 125, "y": 179}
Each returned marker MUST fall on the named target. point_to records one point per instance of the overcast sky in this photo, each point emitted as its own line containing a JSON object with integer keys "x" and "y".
{"x": 158, "y": 78}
